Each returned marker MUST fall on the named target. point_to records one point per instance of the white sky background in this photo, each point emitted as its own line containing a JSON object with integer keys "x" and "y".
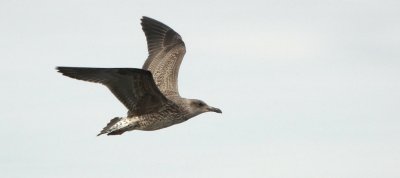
{"x": 308, "y": 89}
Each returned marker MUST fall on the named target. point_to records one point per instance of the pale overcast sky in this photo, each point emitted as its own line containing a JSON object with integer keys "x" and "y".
{"x": 308, "y": 89}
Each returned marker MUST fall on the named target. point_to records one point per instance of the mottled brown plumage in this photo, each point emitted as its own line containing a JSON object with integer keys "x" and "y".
{"x": 150, "y": 94}
{"x": 166, "y": 51}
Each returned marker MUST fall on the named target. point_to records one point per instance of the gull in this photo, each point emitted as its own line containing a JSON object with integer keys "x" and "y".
{"x": 150, "y": 94}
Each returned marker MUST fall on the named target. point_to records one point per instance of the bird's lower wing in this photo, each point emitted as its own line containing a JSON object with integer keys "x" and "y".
{"x": 135, "y": 88}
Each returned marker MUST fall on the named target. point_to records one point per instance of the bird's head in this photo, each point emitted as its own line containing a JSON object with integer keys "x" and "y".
{"x": 197, "y": 106}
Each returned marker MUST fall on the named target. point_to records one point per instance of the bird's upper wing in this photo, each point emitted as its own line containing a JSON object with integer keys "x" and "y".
{"x": 166, "y": 51}
{"x": 135, "y": 88}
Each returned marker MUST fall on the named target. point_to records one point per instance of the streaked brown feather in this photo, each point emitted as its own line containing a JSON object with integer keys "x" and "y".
{"x": 166, "y": 51}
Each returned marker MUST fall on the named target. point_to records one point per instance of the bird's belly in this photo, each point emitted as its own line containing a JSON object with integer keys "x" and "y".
{"x": 158, "y": 123}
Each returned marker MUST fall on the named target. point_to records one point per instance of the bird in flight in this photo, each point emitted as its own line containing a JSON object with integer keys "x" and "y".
{"x": 150, "y": 94}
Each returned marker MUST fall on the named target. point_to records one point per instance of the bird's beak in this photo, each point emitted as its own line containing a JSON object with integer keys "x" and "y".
{"x": 214, "y": 110}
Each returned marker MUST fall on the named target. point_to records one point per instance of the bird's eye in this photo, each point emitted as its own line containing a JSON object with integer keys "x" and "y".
{"x": 200, "y": 104}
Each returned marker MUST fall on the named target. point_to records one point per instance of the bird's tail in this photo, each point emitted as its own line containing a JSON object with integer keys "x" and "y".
{"x": 111, "y": 131}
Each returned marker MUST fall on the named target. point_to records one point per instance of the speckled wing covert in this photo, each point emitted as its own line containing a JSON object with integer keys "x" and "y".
{"x": 166, "y": 51}
{"x": 135, "y": 88}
